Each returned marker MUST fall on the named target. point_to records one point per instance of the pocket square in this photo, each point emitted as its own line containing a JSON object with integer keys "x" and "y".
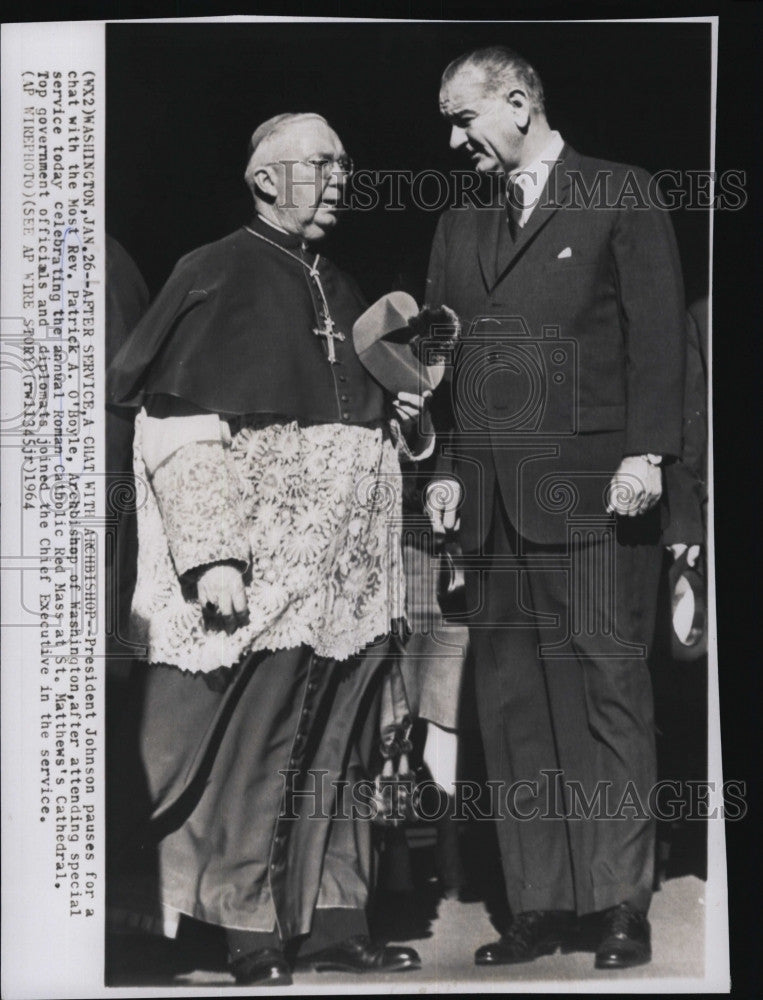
{"x": 567, "y": 252}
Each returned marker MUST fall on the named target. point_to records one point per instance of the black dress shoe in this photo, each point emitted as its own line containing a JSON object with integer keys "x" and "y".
{"x": 531, "y": 934}
{"x": 358, "y": 954}
{"x": 266, "y": 967}
{"x": 625, "y": 939}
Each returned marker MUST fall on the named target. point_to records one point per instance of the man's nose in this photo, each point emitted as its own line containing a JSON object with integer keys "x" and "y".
{"x": 458, "y": 137}
{"x": 336, "y": 179}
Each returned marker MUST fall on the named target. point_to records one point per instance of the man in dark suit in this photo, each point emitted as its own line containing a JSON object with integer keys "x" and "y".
{"x": 566, "y": 400}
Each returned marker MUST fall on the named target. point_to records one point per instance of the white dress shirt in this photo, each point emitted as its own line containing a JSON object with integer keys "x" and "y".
{"x": 533, "y": 178}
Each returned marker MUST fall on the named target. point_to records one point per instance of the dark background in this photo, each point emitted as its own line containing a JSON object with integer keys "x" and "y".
{"x": 183, "y": 100}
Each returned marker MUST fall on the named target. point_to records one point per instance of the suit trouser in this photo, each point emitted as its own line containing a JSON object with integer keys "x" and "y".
{"x": 232, "y": 846}
{"x": 562, "y": 684}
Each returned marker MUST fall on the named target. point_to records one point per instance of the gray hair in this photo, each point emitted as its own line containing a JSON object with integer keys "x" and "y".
{"x": 502, "y": 69}
{"x": 270, "y": 129}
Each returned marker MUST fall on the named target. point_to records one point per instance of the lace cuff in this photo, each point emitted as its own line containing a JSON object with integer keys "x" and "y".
{"x": 201, "y": 507}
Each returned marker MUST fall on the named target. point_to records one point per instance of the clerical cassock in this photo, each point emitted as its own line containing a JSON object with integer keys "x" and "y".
{"x": 262, "y": 441}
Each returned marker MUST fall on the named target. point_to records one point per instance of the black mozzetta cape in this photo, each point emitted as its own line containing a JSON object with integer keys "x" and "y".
{"x": 232, "y": 332}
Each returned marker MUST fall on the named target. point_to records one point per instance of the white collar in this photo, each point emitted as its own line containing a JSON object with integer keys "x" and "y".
{"x": 532, "y": 178}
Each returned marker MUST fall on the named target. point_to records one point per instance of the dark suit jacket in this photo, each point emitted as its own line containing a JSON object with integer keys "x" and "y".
{"x": 572, "y": 351}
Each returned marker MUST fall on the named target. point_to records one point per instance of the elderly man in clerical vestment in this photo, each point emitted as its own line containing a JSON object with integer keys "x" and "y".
{"x": 269, "y": 572}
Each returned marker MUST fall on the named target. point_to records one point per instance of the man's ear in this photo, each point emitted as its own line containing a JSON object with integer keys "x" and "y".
{"x": 266, "y": 180}
{"x": 520, "y": 107}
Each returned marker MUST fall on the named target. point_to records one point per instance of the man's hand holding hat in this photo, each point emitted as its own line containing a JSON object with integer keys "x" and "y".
{"x": 404, "y": 348}
{"x": 409, "y": 406}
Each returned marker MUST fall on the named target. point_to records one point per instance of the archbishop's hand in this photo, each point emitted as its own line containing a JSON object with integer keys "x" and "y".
{"x": 409, "y": 407}
{"x": 222, "y": 597}
{"x": 635, "y": 488}
{"x": 441, "y": 501}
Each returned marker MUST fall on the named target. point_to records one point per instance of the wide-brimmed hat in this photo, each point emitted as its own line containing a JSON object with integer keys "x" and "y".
{"x": 688, "y": 633}
{"x": 403, "y": 347}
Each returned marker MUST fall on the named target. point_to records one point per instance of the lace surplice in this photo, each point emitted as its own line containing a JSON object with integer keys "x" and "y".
{"x": 314, "y": 511}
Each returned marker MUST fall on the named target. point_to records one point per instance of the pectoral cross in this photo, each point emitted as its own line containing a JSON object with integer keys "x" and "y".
{"x": 327, "y": 330}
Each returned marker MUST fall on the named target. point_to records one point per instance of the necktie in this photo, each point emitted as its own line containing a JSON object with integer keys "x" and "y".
{"x": 515, "y": 204}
